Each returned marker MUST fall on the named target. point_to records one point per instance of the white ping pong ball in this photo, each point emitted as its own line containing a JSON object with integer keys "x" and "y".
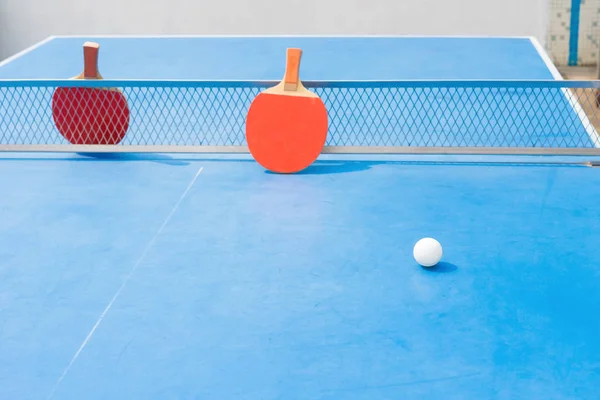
{"x": 427, "y": 252}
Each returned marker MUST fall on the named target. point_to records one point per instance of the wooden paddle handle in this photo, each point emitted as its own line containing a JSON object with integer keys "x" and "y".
{"x": 90, "y": 60}
{"x": 292, "y": 69}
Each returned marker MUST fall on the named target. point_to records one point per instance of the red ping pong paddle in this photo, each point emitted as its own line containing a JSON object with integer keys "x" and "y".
{"x": 286, "y": 125}
{"x": 86, "y": 115}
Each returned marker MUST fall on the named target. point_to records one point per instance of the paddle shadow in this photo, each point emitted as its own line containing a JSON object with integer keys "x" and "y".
{"x": 336, "y": 167}
{"x": 152, "y": 157}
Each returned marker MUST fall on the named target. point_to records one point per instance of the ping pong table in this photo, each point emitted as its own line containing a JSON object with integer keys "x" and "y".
{"x": 173, "y": 266}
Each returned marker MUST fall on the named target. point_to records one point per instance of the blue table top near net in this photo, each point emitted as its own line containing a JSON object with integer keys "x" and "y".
{"x": 263, "y": 58}
{"x": 201, "y": 276}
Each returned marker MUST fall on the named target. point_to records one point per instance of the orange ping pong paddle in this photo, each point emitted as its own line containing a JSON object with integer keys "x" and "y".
{"x": 90, "y": 115}
{"x": 286, "y": 125}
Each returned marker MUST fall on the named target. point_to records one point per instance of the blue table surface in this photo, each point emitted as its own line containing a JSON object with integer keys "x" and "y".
{"x": 178, "y": 277}
{"x": 263, "y": 58}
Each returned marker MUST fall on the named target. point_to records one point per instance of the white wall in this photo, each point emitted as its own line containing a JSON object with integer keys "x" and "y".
{"x": 24, "y": 22}
{"x": 559, "y": 30}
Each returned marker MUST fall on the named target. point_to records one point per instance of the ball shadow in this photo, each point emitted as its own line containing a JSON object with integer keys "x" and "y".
{"x": 442, "y": 268}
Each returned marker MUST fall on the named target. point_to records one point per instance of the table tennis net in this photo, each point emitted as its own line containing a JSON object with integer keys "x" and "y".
{"x": 363, "y": 116}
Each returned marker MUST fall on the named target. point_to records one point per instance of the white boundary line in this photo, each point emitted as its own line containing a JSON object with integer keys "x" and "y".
{"x": 27, "y": 50}
{"x": 125, "y": 281}
{"x": 546, "y": 58}
{"x": 591, "y": 131}
{"x": 199, "y": 36}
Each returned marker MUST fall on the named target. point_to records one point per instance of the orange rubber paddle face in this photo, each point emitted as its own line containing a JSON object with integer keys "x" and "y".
{"x": 286, "y": 126}
{"x": 90, "y": 116}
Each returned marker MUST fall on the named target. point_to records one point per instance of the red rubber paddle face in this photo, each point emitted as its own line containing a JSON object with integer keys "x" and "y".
{"x": 90, "y": 116}
{"x": 286, "y": 134}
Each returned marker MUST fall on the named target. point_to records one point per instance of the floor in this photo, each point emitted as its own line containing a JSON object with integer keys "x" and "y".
{"x": 586, "y": 97}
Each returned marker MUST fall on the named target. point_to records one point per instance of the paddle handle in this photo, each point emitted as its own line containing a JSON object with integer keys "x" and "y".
{"x": 291, "y": 79}
{"x": 90, "y": 60}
